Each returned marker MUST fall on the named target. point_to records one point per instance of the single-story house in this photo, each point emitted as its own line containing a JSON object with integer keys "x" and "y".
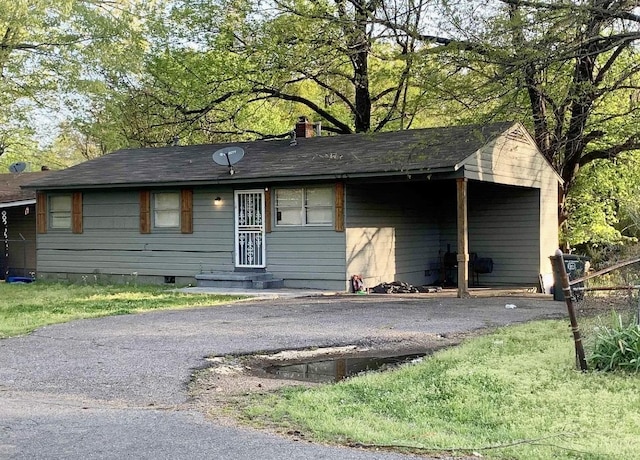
{"x": 311, "y": 211}
{"x": 17, "y": 225}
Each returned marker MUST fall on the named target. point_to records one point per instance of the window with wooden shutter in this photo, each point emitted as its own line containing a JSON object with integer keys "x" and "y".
{"x": 304, "y": 206}
{"x": 145, "y": 211}
{"x": 76, "y": 212}
{"x": 41, "y": 212}
{"x": 339, "y": 207}
{"x": 186, "y": 211}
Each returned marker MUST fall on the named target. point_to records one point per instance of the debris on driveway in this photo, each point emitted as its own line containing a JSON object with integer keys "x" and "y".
{"x": 399, "y": 287}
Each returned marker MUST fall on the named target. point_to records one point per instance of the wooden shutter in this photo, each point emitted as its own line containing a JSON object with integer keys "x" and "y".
{"x": 339, "y": 205}
{"x": 186, "y": 211}
{"x": 76, "y": 212}
{"x": 267, "y": 211}
{"x": 145, "y": 211}
{"x": 41, "y": 212}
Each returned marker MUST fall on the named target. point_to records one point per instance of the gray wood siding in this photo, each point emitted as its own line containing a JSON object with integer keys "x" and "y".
{"x": 447, "y": 222}
{"x": 21, "y": 233}
{"x": 306, "y": 257}
{"x": 111, "y": 243}
{"x": 549, "y": 238}
{"x": 504, "y": 224}
{"x": 392, "y": 232}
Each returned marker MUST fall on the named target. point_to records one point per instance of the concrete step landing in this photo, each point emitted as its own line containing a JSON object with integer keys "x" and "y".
{"x": 239, "y": 280}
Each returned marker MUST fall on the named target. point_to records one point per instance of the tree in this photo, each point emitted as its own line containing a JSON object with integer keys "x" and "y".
{"x": 52, "y": 51}
{"x": 571, "y": 66}
{"x": 603, "y": 204}
{"x": 334, "y": 46}
{"x": 220, "y": 63}
{"x": 215, "y": 68}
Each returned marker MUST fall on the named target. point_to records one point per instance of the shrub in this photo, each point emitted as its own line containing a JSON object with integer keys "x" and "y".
{"x": 616, "y": 347}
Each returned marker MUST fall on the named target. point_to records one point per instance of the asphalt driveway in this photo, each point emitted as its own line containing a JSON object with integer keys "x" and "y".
{"x": 116, "y": 387}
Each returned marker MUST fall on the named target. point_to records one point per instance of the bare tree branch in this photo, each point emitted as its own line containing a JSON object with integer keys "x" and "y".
{"x": 632, "y": 143}
{"x": 343, "y": 128}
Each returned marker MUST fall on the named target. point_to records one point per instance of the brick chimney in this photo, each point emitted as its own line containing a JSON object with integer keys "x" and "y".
{"x": 304, "y": 128}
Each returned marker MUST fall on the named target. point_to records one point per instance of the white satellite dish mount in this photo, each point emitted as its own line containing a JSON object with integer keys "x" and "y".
{"x": 228, "y": 156}
{"x": 17, "y": 167}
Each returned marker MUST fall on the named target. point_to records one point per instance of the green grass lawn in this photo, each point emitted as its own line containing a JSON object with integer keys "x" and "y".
{"x": 25, "y": 307}
{"x": 514, "y": 394}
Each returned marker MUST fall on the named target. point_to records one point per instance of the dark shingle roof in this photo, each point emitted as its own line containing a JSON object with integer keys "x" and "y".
{"x": 10, "y": 184}
{"x": 357, "y": 155}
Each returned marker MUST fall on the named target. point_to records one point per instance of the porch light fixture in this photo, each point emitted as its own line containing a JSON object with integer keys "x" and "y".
{"x": 217, "y": 200}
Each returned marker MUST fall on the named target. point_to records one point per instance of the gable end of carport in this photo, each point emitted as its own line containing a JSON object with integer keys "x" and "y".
{"x": 511, "y": 158}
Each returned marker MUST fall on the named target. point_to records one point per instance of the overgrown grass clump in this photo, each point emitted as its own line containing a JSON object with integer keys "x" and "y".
{"x": 514, "y": 394}
{"x": 25, "y": 307}
{"x": 616, "y": 346}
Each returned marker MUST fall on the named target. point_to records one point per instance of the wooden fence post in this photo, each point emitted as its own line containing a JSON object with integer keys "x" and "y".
{"x": 559, "y": 270}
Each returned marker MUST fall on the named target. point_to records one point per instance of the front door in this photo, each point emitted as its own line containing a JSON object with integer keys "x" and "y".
{"x": 249, "y": 211}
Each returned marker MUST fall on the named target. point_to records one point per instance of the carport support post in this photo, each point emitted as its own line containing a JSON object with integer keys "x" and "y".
{"x": 560, "y": 271}
{"x": 463, "y": 238}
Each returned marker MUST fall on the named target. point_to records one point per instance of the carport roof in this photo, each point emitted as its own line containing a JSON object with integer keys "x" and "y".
{"x": 419, "y": 151}
{"x": 11, "y": 193}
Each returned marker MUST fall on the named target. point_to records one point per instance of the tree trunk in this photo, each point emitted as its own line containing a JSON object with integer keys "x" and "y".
{"x": 362, "y": 116}
{"x": 360, "y": 62}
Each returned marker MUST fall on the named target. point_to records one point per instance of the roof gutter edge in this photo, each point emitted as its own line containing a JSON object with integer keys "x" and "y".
{"x": 237, "y": 180}
{"x": 12, "y": 204}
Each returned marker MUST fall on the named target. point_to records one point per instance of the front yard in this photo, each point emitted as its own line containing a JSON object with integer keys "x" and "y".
{"x": 513, "y": 394}
{"x": 25, "y": 307}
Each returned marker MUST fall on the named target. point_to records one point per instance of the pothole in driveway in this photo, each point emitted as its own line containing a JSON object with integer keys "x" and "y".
{"x": 238, "y": 375}
{"x": 338, "y": 368}
{"x": 224, "y": 385}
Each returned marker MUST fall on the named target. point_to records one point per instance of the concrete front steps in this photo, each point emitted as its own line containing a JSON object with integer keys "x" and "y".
{"x": 239, "y": 280}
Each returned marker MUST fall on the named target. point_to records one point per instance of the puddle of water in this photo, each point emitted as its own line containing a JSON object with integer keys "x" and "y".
{"x": 334, "y": 370}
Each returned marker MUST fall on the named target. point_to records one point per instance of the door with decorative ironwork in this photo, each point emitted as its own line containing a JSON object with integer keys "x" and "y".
{"x": 250, "y": 234}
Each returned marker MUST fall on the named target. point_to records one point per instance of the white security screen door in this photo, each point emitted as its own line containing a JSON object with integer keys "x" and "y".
{"x": 249, "y": 210}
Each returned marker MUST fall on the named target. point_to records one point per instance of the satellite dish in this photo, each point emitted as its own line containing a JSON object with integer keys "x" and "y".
{"x": 228, "y": 156}
{"x": 17, "y": 167}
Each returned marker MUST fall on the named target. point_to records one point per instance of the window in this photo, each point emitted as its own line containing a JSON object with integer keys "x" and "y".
{"x": 166, "y": 210}
{"x": 304, "y": 206}
{"x": 60, "y": 212}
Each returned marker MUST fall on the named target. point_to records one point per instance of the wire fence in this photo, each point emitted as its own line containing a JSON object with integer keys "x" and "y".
{"x": 601, "y": 305}
{"x": 607, "y": 296}
{"x": 600, "y": 301}
{"x": 18, "y": 258}
{"x": 611, "y": 290}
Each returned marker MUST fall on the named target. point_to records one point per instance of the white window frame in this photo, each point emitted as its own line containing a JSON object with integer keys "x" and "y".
{"x": 155, "y": 210}
{"x": 56, "y": 214}
{"x": 305, "y": 207}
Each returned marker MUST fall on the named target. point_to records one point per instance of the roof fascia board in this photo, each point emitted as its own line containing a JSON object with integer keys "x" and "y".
{"x": 236, "y": 180}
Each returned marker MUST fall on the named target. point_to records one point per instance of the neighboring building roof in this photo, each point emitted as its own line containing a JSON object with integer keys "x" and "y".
{"x": 416, "y": 151}
{"x": 11, "y": 193}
